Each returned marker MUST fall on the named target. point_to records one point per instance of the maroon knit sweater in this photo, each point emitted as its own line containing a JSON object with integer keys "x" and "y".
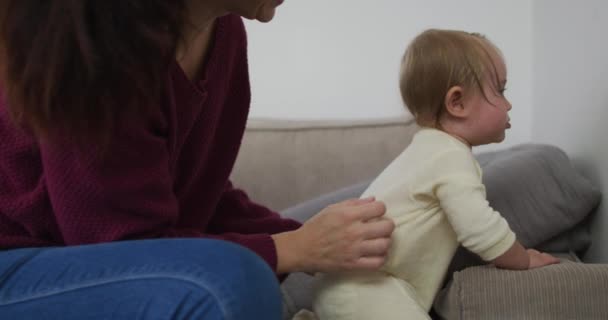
{"x": 163, "y": 176}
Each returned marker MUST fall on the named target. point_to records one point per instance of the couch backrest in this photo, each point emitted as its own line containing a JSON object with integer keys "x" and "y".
{"x": 282, "y": 163}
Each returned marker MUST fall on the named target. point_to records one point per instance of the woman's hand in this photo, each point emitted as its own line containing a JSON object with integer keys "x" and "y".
{"x": 349, "y": 235}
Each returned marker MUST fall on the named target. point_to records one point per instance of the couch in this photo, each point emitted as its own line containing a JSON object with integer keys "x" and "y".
{"x": 298, "y": 167}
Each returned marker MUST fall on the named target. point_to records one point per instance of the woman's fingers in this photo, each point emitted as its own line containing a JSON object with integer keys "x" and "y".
{"x": 369, "y": 263}
{"x": 348, "y": 235}
{"x": 380, "y": 228}
{"x": 375, "y": 247}
{"x": 369, "y": 211}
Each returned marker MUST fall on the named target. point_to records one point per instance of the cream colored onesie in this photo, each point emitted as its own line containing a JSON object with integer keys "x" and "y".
{"x": 433, "y": 192}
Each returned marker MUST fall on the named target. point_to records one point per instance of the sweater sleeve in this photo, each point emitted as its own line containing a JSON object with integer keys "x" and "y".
{"x": 117, "y": 192}
{"x": 125, "y": 191}
{"x": 462, "y": 196}
{"x": 237, "y": 213}
{"x": 238, "y": 219}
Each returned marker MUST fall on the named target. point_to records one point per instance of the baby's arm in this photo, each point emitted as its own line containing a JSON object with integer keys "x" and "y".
{"x": 477, "y": 226}
{"x": 518, "y": 258}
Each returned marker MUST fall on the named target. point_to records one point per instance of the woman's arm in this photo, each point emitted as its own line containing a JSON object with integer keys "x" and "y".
{"x": 123, "y": 190}
{"x": 237, "y": 213}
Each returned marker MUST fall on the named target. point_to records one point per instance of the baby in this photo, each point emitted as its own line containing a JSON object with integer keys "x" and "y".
{"x": 453, "y": 82}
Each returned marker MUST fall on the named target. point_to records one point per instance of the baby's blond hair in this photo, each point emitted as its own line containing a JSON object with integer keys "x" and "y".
{"x": 437, "y": 60}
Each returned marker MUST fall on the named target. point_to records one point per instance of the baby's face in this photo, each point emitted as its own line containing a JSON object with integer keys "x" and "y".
{"x": 490, "y": 117}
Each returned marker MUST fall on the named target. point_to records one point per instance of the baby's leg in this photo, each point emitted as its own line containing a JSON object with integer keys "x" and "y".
{"x": 365, "y": 297}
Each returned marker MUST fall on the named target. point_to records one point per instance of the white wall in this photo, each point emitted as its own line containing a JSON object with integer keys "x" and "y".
{"x": 571, "y": 92}
{"x": 339, "y": 59}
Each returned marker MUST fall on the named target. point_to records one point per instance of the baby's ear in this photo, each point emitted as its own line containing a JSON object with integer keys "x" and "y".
{"x": 454, "y": 102}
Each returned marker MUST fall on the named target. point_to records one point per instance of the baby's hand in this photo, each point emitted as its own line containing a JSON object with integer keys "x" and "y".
{"x": 540, "y": 259}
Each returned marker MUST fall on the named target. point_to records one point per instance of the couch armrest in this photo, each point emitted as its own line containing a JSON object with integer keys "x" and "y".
{"x": 568, "y": 290}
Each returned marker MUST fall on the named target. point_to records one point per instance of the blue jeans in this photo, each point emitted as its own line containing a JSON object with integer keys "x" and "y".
{"x": 147, "y": 279}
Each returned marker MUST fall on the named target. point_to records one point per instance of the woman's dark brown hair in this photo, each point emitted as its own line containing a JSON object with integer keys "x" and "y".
{"x": 74, "y": 66}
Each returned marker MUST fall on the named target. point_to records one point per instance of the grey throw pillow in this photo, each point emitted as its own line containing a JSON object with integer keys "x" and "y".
{"x": 537, "y": 190}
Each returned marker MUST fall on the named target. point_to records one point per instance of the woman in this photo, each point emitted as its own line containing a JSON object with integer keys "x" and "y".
{"x": 120, "y": 122}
